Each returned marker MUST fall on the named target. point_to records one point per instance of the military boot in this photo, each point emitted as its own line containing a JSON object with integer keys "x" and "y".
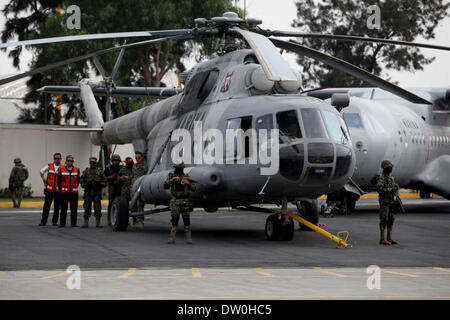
{"x": 382, "y": 240}
{"x": 187, "y": 230}
{"x": 86, "y": 223}
{"x": 173, "y": 232}
{"x": 98, "y": 223}
{"x": 389, "y": 239}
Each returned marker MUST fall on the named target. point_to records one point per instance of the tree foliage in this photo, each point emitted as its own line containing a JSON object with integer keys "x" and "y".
{"x": 400, "y": 20}
{"x": 141, "y": 66}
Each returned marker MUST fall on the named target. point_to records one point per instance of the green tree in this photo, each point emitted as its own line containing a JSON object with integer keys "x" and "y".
{"x": 141, "y": 66}
{"x": 400, "y": 20}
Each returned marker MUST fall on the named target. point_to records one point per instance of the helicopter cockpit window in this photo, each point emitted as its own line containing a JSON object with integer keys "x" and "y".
{"x": 244, "y": 124}
{"x": 336, "y": 128}
{"x": 353, "y": 120}
{"x": 208, "y": 84}
{"x": 313, "y": 123}
{"x": 288, "y": 126}
{"x": 251, "y": 58}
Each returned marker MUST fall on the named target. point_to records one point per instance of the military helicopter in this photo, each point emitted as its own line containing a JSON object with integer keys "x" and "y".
{"x": 245, "y": 85}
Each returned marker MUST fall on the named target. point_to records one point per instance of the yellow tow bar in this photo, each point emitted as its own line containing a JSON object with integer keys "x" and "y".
{"x": 341, "y": 243}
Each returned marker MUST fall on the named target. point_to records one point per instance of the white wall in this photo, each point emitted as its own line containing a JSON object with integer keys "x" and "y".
{"x": 35, "y": 146}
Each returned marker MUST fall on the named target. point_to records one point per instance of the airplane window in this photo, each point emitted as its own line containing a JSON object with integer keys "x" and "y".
{"x": 337, "y": 131}
{"x": 353, "y": 120}
{"x": 289, "y": 126}
{"x": 313, "y": 123}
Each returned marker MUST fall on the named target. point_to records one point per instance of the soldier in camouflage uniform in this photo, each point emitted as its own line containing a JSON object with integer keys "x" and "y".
{"x": 139, "y": 169}
{"x": 388, "y": 191}
{"x": 93, "y": 181}
{"x": 114, "y": 183}
{"x": 180, "y": 188}
{"x": 19, "y": 174}
{"x": 125, "y": 176}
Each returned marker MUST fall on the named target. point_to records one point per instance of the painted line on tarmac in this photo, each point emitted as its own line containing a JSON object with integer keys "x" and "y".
{"x": 128, "y": 274}
{"x": 196, "y": 273}
{"x": 56, "y": 275}
{"x": 400, "y": 273}
{"x": 441, "y": 269}
{"x": 262, "y": 272}
{"x": 331, "y": 273}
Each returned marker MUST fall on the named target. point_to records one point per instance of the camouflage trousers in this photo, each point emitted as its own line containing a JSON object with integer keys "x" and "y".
{"x": 180, "y": 206}
{"x": 386, "y": 215}
{"x": 16, "y": 193}
{"x": 87, "y": 205}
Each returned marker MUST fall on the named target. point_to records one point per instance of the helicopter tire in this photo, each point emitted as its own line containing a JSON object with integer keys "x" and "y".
{"x": 310, "y": 212}
{"x": 120, "y": 214}
{"x": 273, "y": 227}
{"x": 287, "y": 231}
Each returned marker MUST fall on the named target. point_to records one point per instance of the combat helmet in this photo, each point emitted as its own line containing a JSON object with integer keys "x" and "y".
{"x": 115, "y": 157}
{"x": 386, "y": 164}
{"x": 92, "y": 159}
{"x": 179, "y": 164}
{"x": 17, "y": 160}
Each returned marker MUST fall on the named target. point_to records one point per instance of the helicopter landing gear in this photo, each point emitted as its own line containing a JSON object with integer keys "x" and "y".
{"x": 279, "y": 228}
{"x": 309, "y": 210}
{"x": 425, "y": 195}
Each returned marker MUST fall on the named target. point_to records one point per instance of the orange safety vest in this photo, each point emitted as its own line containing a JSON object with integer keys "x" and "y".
{"x": 69, "y": 180}
{"x": 52, "y": 174}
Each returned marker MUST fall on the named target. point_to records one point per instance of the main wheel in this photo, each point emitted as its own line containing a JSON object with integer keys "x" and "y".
{"x": 273, "y": 227}
{"x": 120, "y": 214}
{"x": 343, "y": 208}
{"x": 310, "y": 212}
{"x": 287, "y": 230}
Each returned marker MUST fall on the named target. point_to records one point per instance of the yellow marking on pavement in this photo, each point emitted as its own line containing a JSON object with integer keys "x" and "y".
{"x": 127, "y": 274}
{"x": 400, "y": 273}
{"x": 441, "y": 269}
{"x": 262, "y": 272}
{"x": 37, "y": 204}
{"x": 196, "y": 273}
{"x": 330, "y": 273}
{"x": 62, "y": 274}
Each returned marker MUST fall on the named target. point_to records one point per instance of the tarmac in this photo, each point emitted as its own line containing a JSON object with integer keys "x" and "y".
{"x": 230, "y": 258}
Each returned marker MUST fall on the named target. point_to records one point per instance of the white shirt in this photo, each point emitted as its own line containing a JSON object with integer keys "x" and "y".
{"x": 44, "y": 170}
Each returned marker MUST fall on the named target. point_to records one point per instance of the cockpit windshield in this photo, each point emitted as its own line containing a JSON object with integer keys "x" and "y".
{"x": 288, "y": 126}
{"x": 336, "y": 127}
{"x": 313, "y": 123}
{"x": 353, "y": 120}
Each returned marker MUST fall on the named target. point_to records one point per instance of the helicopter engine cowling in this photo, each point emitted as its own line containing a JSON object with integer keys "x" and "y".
{"x": 152, "y": 185}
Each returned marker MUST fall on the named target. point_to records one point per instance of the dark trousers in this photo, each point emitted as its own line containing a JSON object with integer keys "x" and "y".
{"x": 67, "y": 198}
{"x": 49, "y": 198}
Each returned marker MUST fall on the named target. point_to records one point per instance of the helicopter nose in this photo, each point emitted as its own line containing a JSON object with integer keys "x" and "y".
{"x": 321, "y": 162}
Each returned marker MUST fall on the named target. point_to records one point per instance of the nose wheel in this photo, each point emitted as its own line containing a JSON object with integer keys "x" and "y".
{"x": 279, "y": 228}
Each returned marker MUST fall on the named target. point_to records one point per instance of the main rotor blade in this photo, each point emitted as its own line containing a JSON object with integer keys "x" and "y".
{"x": 339, "y": 37}
{"x": 89, "y": 55}
{"x": 350, "y": 69}
{"x": 113, "y": 35}
{"x": 273, "y": 64}
{"x": 117, "y": 64}
{"x": 99, "y": 67}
